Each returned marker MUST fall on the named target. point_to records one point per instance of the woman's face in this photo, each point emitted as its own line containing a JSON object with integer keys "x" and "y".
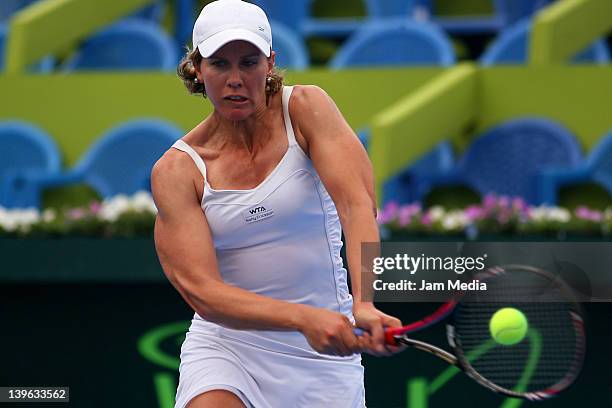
{"x": 235, "y": 79}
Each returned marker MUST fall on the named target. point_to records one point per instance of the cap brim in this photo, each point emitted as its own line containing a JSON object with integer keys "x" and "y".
{"x": 214, "y": 42}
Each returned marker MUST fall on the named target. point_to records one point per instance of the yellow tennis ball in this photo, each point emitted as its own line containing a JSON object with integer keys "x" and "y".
{"x": 508, "y": 326}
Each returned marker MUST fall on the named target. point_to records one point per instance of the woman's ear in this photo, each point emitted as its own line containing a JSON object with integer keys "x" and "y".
{"x": 271, "y": 60}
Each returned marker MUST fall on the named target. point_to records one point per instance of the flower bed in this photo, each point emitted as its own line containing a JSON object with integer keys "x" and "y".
{"x": 134, "y": 216}
{"x": 496, "y": 215}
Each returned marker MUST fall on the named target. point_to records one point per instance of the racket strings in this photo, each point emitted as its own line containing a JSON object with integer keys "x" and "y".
{"x": 547, "y": 356}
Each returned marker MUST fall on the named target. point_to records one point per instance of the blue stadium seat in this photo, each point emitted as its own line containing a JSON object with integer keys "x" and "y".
{"x": 184, "y": 18}
{"x": 597, "y": 169}
{"x": 297, "y": 15}
{"x": 505, "y": 13}
{"x": 390, "y": 8}
{"x": 395, "y": 42}
{"x": 401, "y": 187}
{"x": 120, "y": 162}
{"x": 25, "y": 151}
{"x": 10, "y": 7}
{"x": 512, "y": 44}
{"x": 129, "y": 45}
{"x": 509, "y": 159}
{"x": 513, "y": 11}
{"x": 153, "y": 12}
{"x": 290, "y": 49}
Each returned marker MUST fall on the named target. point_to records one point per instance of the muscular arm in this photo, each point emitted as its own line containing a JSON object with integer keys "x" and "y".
{"x": 345, "y": 169}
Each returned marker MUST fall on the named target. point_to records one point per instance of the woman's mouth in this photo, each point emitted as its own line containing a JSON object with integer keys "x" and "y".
{"x": 236, "y": 98}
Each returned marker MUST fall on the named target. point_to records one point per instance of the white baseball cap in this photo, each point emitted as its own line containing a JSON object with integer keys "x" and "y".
{"x": 223, "y": 21}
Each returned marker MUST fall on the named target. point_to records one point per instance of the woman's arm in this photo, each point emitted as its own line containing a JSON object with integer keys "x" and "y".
{"x": 346, "y": 171}
{"x": 186, "y": 252}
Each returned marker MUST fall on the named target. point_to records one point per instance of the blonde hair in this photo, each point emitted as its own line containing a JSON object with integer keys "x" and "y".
{"x": 186, "y": 71}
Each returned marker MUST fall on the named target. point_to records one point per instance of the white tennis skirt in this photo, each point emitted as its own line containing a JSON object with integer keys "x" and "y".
{"x": 267, "y": 377}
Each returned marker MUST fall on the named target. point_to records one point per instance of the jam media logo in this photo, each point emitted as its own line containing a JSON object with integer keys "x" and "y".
{"x": 259, "y": 212}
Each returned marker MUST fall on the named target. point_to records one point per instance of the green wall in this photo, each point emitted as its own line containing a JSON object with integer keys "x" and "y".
{"x": 76, "y": 109}
{"x": 578, "y": 97}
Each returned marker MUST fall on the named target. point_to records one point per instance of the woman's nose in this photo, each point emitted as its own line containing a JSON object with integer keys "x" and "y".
{"x": 234, "y": 80}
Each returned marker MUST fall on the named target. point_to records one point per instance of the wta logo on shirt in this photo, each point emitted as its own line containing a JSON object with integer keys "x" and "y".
{"x": 257, "y": 213}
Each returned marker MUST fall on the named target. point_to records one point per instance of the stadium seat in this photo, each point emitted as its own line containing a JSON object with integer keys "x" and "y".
{"x": 297, "y": 15}
{"x": 513, "y": 11}
{"x": 25, "y": 151}
{"x": 390, "y": 8}
{"x": 395, "y": 42}
{"x": 290, "y": 49}
{"x": 10, "y": 7}
{"x": 509, "y": 159}
{"x": 401, "y": 187}
{"x": 505, "y": 13}
{"x": 129, "y": 45}
{"x": 597, "y": 169}
{"x": 154, "y": 12}
{"x": 512, "y": 44}
{"x": 120, "y": 161}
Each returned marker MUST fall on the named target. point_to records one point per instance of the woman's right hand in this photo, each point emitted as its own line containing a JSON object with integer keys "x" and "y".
{"x": 330, "y": 332}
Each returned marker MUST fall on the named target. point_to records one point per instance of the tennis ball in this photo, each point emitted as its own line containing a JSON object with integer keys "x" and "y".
{"x": 508, "y": 326}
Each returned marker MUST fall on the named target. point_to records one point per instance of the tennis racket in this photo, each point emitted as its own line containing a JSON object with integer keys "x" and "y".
{"x": 544, "y": 363}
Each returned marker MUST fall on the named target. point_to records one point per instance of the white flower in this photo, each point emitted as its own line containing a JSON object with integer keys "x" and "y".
{"x": 23, "y": 219}
{"x": 48, "y": 215}
{"x": 436, "y": 213}
{"x": 560, "y": 214}
{"x": 143, "y": 202}
{"x": 113, "y": 207}
{"x": 454, "y": 220}
{"x": 544, "y": 213}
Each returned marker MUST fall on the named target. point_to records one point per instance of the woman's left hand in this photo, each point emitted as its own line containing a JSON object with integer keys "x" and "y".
{"x": 373, "y": 322}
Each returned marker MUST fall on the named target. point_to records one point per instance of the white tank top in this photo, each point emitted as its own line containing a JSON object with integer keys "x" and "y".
{"x": 281, "y": 239}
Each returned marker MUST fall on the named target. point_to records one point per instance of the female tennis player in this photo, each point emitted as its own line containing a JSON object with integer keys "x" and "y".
{"x": 250, "y": 235}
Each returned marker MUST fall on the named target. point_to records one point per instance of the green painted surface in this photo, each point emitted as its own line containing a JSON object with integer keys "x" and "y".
{"x": 414, "y": 124}
{"x": 416, "y": 393}
{"x": 566, "y": 27}
{"x": 409, "y": 110}
{"x": 52, "y": 25}
{"x": 78, "y": 108}
{"x": 165, "y": 388}
{"x": 578, "y": 97}
{"x": 149, "y": 345}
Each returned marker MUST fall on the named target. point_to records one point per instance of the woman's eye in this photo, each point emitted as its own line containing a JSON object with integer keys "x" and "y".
{"x": 250, "y": 63}
{"x": 218, "y": 63}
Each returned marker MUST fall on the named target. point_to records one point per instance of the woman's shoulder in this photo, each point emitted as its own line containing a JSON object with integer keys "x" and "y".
{"x": 173, "y": 177}
{"x": 173, "y": 165}
{"x": 303, "y": 93}
{"x": 310, "y": 104}
{"x": 308, "y": 99}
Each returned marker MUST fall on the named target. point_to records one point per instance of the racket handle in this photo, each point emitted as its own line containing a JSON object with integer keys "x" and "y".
{"x": 389, "y": 334}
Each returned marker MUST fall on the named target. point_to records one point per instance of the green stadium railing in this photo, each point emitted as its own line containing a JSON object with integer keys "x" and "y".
{"x": 49, "y": 26}
{"x": 566, "y": 27}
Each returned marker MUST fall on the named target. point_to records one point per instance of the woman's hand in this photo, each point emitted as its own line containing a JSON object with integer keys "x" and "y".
{"x": 373, "y": 322}
{"x": 330, "y": 332}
